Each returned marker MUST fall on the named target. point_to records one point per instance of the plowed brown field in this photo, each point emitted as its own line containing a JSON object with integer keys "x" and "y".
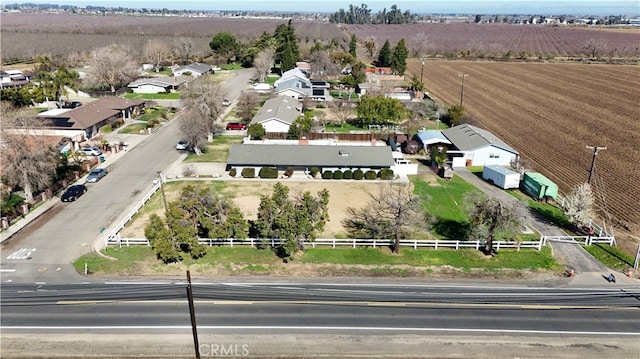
{"x": 550, "y": 113}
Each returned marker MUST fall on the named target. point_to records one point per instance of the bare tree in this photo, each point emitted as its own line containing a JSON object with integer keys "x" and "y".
{"x": 183, "y": 49}
{"x": 519, "y": 164}
{"x": 391, "y": 213}
{"x": 247, "y": 103}
{"x": 263, "y": 63}
{"x": 579, "y": 205}
{"x": 322, "y": 66}
{"x": 111, "y": 65}
{"x": 28, "y": 160}
{"x": 156, "y": 51}
{"x": 420, "y": 45}
{"x": 202, "y": 104}
{"x": 342, "y": 110}
{"x": 594, "y": 47}
{"x": 491, "y": 219}
{"x": 370, "y": 45}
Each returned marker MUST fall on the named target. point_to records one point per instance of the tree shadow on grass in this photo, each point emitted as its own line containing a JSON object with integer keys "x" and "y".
{"x": 451, "y": 229}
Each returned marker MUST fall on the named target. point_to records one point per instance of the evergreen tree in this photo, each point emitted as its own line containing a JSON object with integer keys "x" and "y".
{"x": 399, "y": 58}
{"x": 384, "y": 56}
{"x": 353, "y": 45}
{"x": 287, "y": 52}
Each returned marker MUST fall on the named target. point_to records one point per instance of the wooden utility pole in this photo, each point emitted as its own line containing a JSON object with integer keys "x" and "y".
{"x": 462, "y": 87}
{"x": 192, "y": 313}
{"x": 593, "y": 161}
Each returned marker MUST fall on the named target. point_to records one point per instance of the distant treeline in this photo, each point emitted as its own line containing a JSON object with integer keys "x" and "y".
{"x": 362, "y": 15}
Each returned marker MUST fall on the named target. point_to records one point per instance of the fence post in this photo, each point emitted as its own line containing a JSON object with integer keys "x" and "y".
{"x": 457, "y": 243}
{"x": 415, "y": 244}
{"x": 477, "y": 244}
{"x": 498, "y": 248}
{"x": 333, "y": 242}
{"x": 354, "y": 243}
{"x": 374, "y": 243}
{"x": 436, "y": 244}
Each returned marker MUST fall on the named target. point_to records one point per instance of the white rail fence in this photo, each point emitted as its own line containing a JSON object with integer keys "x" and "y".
{"x": 353, "y": 243}
{"x": 583, "y": 240}
{"x": 114, "y": 235}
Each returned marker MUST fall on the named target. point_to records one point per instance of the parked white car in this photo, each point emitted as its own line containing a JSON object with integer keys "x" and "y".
{"x": 91, "y": 151}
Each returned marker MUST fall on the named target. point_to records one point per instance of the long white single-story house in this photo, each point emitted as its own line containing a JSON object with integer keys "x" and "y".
{"x": 278, "y": 114}
{"x": 473, "y": 146}
{"x": 304, "y": 157}
{"x": 195, "y": 69}
{"x": 158, "y": 84}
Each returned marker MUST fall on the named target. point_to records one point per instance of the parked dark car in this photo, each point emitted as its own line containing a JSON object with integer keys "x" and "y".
{"x": 236, "y": 126}
{"x": 96, "y": 174}
{"x": 74, "y": 192}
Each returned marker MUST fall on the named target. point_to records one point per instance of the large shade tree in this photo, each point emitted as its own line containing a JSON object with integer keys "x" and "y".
{"x": 392, "y": 213}
{"x": 294, "y": 220}
{"x": 490, "y": 219}
{"x": 225, "y": 46}
{"x": 202, "y": 105}
{"x": 111, "y": 66}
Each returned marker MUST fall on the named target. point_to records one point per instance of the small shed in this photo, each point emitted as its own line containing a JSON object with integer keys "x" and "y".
{"x": 538, "y": 186}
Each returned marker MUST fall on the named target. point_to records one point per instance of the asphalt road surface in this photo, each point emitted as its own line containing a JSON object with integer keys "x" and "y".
{"x": 244, "y": 313}
{"x": 68, "y": 230}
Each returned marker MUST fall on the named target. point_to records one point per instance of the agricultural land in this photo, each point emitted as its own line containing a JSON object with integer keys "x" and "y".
{"x": 550, "y": 113}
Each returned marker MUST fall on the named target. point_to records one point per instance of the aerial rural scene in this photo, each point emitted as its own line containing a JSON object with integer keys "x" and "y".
{"x": 299, "y": 179}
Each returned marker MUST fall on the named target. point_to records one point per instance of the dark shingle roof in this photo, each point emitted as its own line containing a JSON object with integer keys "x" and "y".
{"x": 310, "y": 156}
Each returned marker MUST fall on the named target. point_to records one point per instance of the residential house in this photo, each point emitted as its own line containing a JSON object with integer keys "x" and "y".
{"x": 195, "y": 69}
{"x": 432, "y": 138}
{"x": 473, "y": 146}
{"x": 163, "y": 84}
{"x": 304, "y": 157}
{"x": 13, "y": 78}
{"x": 92, "y": 116}
{"x": 294, "y": 83}
{"x": 278, "y": 114}
{"x": 291, "y": 74}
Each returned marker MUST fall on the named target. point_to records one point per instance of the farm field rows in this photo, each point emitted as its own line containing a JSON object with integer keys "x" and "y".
{"x": 550, "y": 113}
{"x": 497, "y": 39}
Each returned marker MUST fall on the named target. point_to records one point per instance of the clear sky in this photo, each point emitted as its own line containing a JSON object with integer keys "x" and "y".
{"x": 542, "y": 7}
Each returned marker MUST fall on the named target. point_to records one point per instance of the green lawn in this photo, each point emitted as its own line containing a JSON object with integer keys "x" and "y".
{"x": 134, "y": 128}
{"x": 610, "y": 256}
{"x": 131, "y": 259}
{"x": 445, "y": 200}
{"x": 153, "y": 96}
{"x": 463, "y": 258}
{"x": 217, "y": 151}
{"x": 342, "y": 128}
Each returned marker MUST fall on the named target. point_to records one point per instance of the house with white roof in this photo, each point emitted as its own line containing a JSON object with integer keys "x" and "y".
{"x": 195, "y": 69}
{"x": 158, "y": 84}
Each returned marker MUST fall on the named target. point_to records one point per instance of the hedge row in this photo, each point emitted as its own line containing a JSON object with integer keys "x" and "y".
{"x": 272, "y": 172}
{"x": 385, "y": 174}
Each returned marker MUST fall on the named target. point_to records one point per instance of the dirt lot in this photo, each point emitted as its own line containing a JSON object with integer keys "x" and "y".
{"x": 246, "y": 194}
{"x": 550, "y": 113}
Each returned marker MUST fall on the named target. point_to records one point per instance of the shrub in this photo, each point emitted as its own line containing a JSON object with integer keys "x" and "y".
{"x": 233, "y": 172}
{"x": 320, "y": 105}
{"x": 268, "y": 172}
{"x": 371, "y": 175}
{"x": 189, "y": 170}
{"x": 386, "y": 174}
{"x": 358, "y": 175}
{"x": 314, "y": 171}
{"x": 337, "y": 174}
{"x": 248, "y": 172}
{"x": 327, "y": 175}
{"x": 288, "y": 172}
{"x": 347, "y": 174}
